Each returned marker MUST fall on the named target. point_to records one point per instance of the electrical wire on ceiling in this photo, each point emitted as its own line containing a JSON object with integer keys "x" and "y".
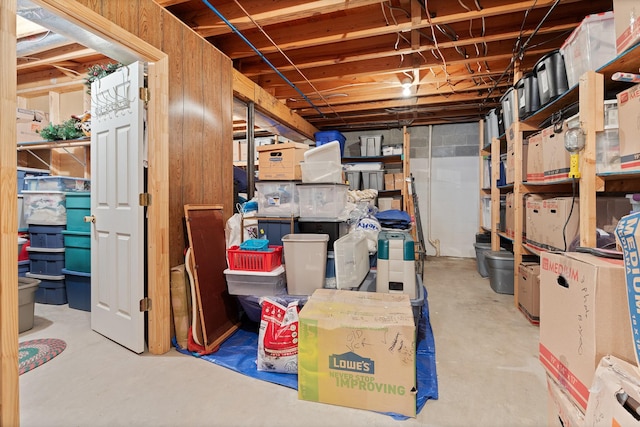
{"x": 523, "y": 48}
{"x": 256, "y": 50}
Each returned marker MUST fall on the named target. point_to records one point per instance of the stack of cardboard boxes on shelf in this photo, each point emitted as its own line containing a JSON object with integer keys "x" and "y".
{"x": 587, "y": 342}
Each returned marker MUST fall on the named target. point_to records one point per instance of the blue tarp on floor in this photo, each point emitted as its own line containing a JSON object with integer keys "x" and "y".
{"x": 239, "y": 353}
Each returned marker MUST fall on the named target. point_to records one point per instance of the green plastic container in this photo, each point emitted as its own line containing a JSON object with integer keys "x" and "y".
{"x": 78, "y": 206}
{"x": 77, "y": 251}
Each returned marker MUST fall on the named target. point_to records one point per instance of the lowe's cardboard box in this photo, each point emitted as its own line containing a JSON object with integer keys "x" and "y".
{"x": 358, "y": 349}
{"x": 629, "y": 127}
{"x": 581, "y": 320}
{"x": 535, "y": 153}
{"x": 615, "y": 393}
{"x": 281, "y": 161}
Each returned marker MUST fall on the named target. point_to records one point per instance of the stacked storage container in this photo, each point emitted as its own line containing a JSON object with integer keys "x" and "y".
{"x": 46, "y": 215}
{"x": 23, "y": 228}
{"x": 77, "y": 243}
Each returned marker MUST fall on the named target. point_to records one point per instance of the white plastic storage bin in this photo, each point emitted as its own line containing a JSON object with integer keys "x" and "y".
{"x": 373, "y": 179}
{"x": 607, "y": 151}
{"x": 257, "y": 283}
{"x": 56, "y": 183}
{"x": 351, "y": 255}
{"x": 370, "y": 145}
{"x": 321, "y": 172}
{"x": 591, "y": 45}
{"x": 322, "y": 200}
{"x": 277, "y": 198}
{"x": 611, "y": 114}
{"x": 44, "y": 207}
{"x": 486, "y": 212}
{"x": 306, "y": 262}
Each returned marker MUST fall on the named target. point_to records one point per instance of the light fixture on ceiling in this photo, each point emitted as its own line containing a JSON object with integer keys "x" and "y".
{"x": 406, "y": 86}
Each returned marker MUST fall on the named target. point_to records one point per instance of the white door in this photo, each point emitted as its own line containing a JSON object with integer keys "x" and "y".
{"x": 117, "y": 235}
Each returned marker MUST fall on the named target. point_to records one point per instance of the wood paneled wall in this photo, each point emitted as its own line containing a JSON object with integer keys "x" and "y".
{"x": 200, "y": 110}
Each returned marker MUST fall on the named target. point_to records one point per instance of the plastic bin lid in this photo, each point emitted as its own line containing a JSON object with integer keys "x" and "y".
{"x": 75, "y": 273}
{"x": 506, "y": 255}
{"x": 276, "y": 272}
{"x": 305, "y": 237}
{"x": 46, "y": 250}
{"x": 26, "y": 282}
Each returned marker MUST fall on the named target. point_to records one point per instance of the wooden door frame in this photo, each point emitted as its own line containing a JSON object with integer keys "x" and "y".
{"x": 158, "y": 323}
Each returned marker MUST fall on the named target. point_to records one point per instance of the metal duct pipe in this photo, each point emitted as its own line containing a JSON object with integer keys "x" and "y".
{"x": 45, "y": 18}
{"x": 29, "y": 45}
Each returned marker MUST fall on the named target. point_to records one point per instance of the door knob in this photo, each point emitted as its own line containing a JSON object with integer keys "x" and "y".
{"x": 90, "y": 218}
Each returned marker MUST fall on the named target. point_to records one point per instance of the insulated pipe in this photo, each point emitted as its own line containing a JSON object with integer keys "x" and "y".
{"x": 435, "y": 243}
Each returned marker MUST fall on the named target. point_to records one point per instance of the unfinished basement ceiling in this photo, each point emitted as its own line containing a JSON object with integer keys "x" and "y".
{"x": 341, "y": 64}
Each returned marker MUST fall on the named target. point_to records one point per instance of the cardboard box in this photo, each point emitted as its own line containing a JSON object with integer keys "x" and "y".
{"x": 28, "y": 131}
{"x": 358, "y": 349}
{"x": 535, "y": 153}
{"x": 509, "y": 216}
{"x": 629, "y": 128}
{"x": 626, "y": 14}
{"x": 581, "y": 320}
{"x": 627, "y": 234}
{"x": 24, "y": 115}
{"x": 562, "y": 411}
{"x": 281, "y": 161}
{"x": 529, "y": 290}
{"x": 557, "y": 232}
{"x": 398, "y": 179}
{"x": 533, "y": 220}
{"x": 512, "y": 161}
{"x": 615, "y": 391}
{"x": 389, "y": 181}
{"x": 396, "y": 203}
{"x": 555, "y": 158}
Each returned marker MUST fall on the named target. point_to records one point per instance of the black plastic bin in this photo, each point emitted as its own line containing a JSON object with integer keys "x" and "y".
{"x": 552, "y": 77}
{"x": 528, "y": 95}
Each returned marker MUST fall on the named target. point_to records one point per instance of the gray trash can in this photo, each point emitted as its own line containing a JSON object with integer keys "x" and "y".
{"x": 500, "y": 265}
{"x": 481, "y": 263}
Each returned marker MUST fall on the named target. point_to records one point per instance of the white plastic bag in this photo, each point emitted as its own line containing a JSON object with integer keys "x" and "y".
{"x": 278, "y": 337}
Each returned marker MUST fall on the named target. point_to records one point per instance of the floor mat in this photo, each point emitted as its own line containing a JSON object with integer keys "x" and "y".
{"x": 239, "y": 353}
{"x": 37, "y": 352}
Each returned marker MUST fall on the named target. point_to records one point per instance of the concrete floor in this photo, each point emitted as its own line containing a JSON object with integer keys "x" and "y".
{"x": 486, "y": 352}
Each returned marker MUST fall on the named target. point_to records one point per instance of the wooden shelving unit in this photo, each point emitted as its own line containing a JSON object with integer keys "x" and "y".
{"x": 589, "y": 93}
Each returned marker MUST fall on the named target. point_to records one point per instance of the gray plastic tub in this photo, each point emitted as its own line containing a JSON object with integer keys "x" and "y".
{"x": 481, "y": 263}
{"x": 500, "y": 264}
{"x": 27, "y": 288}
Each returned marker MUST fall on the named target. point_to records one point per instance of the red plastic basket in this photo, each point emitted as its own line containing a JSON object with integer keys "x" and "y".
{"x": 240, "y": 259}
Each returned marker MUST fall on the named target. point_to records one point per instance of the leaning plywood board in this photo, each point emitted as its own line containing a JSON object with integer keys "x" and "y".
{"x": 218, "y": 311}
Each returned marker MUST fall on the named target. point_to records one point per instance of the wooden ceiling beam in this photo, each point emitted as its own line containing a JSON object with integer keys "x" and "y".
{"x": 345, "y": 27}
{"x": 210, "y": 25}
{"x": 257, "y": 66}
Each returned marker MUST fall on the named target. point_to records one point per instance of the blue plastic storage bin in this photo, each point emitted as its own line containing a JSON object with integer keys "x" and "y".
{"x": 277, "y": 228}
{"x": 23, "y": 268}
{"x": 49, "y": 262}
{"x": 51, "y": 290}
{"x": 77, "y": 245}
{"x": 78, "y": 206}
{"x": 324, "y": 137}
{"x": 78, "y": 289}
{"x": 46, "y": 236}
